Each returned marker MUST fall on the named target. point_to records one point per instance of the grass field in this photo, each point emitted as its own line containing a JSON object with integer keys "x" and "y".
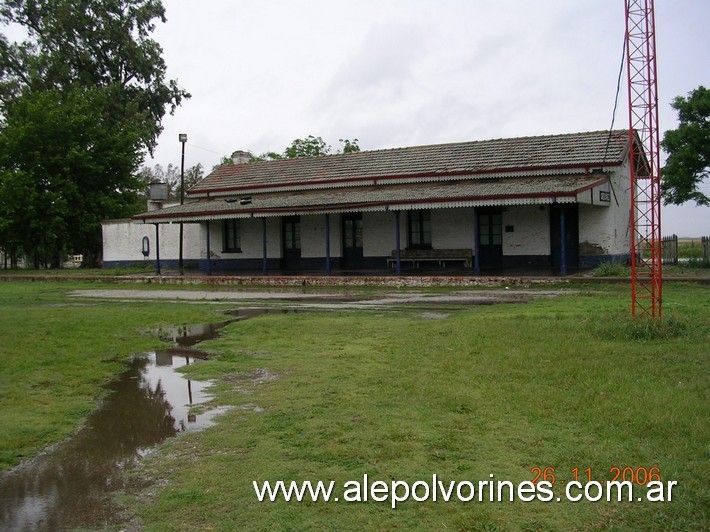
{"x": 690, "y": 248}
{"x": 55, "y": 353}
{"x": 566, "y": 382}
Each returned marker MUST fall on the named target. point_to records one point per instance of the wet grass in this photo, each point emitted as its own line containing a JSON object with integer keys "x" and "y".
{"x": 563, "y": 382}
{"x": 55, "y": 352}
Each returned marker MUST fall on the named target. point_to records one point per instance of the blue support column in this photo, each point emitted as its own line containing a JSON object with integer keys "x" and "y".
{"x": 563, "y": 242}
{"x": 476, "y": 244}
{"x": 157, "y": 249}
{"x": 209, "y": 251}
{"x": 397, "y": 242}
{"x": 263, "y": 245}
{"x": 327, "y": 244}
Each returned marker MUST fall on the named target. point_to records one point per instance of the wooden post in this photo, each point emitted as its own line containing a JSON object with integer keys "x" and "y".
{"x": 397, "y": 242}
{"x": 263, "y": 245}
{"x": 209, "y": 251}
{"x": 563, "y": 242}
{"x": 476, "y": 244}
{"x": 327, "y": 244}
{"x": 157, "y": 249}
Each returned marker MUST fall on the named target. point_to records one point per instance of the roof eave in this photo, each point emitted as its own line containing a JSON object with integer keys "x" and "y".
{"x": 569, "y": 196}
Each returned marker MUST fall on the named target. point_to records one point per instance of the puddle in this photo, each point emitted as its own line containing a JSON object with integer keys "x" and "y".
{"x": 70, "y": 486}
{"x": 246, "y": 313}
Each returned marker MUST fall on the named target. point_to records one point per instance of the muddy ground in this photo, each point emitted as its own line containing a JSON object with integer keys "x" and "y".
{"x": 333, "y": 300}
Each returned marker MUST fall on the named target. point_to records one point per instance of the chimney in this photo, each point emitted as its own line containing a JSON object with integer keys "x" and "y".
{"x": 241, "y": 157}
{"x": 157, "y": 195}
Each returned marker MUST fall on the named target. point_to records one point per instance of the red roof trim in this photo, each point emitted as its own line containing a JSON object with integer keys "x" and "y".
{"x": 591, "y": 185}
{"x": 373, "y": 204}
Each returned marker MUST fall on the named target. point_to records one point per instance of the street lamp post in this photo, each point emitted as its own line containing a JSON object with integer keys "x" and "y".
{"x": 182, "y": 137}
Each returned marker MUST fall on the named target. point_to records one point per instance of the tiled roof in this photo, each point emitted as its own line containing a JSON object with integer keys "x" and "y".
{"x": 471, "y": 192}
{"x": 516, "y": 156}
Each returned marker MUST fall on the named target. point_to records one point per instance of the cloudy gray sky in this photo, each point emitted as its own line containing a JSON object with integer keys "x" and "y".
{"x": 395, "y": 73}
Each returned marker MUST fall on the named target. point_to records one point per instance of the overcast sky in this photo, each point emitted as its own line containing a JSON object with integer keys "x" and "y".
{"x": 396, "y": 73}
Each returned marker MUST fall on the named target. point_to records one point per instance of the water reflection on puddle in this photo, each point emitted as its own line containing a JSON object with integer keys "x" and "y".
{"x": 70, "y": 485}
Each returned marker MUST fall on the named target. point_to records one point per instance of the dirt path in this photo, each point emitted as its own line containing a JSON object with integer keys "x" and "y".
{"x": 329, "y": 300}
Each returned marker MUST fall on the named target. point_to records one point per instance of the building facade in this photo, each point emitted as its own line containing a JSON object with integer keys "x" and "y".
{"x": 556, "y": 202}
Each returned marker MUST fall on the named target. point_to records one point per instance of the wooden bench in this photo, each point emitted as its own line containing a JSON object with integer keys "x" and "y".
{"x": 416, "y": 257}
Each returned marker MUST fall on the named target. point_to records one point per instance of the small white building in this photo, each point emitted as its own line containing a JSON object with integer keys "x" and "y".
{"x": 555, "y": 202}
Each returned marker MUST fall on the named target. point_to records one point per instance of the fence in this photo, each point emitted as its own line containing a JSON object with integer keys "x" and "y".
{"x": 690, "y": 252}
{"x": 669, "y": 249}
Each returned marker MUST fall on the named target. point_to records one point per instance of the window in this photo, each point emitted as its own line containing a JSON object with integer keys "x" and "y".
{"x": 231, "y": 237}
{"x": 419, "y": 224}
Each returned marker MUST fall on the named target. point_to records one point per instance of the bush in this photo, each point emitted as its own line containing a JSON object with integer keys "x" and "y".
{"x": 611, "y": 269}
{"x": 697, "y": 263}
{"x": 690, "y": 249}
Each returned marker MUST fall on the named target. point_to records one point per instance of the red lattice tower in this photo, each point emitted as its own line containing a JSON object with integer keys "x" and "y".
{"x": 646, "y": 267}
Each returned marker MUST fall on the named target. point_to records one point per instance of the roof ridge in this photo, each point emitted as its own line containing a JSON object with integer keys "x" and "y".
{"x": 444, "y": 144}
{"x": 533, "y": 152}
{"x": 496, "y": 139}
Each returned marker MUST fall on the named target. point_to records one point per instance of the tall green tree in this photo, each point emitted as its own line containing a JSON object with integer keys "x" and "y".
{"x": 266, "y": 156}
{"x": 171, "y": 176}
{"x": 309, "y": 147}
{"x": 688, "y": 147}
{"x": 82, "y": 99}
{"x": 350, "y": 146}
{"x": 63, "y": 171}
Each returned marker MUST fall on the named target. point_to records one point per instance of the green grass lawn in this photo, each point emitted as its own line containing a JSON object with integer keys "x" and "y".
{"x": 55, "y": 353}
{"x": 567, "y": 382}
{"x": 495, "y": 390}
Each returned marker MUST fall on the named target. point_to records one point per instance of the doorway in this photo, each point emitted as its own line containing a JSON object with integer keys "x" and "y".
{"x": 490, "y": 238}
{"x": 571, "y": 215}
{"x": 291, "y": 231}
{"x": 352, "y": 241}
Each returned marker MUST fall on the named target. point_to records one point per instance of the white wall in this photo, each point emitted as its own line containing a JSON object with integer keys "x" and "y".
{"x": 251, "y": 239}
{"x": 378, "y": 233}
{"x": 602, "y": 230}
{"x": 531, "y": 230}
{"x": 450, "y": 228}
{"x": 313, "y": 236}
{"x": 605, "y": 230}
{"x": 123, "y": 239}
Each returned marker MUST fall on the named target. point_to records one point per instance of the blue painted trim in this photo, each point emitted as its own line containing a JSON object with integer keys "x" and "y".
{"x": 563, "y": 243}
{"x": 209, "y": 251}
{"x": 398, "y": 244}
{"x": 327, "y": 244}
{"x": 264, "y": 259}
{"x": 476, "y": 244}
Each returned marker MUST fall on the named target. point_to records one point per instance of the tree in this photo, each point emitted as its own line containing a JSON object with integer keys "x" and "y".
{"x": 350, "y": 146}
{"x": 193, "y": 175}
{"x": 171, "y": 176}
{"x": 82, "y": 99}
{"x": 63, "y": 171}
{"x": 688, "y": 147}
{"x": 266, "y": 156}
{"x": 91, "y": 43}
{"x": 309, "y": 147}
